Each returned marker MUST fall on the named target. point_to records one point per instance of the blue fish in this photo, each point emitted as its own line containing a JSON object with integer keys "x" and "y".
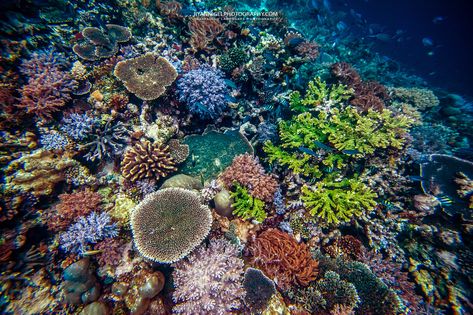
{"x": 323, "y": 146}
{"x": 231, "y": 84}
{"x": 444, "y": 200}
{"x": 427, "y": 42}
{"x": 230, "y": 98}
{"x": 416, "y": 178}
{"x": 308, "y": 151}
{"x": 203, "y": 108}
{"x": 438, "y": 19}
{"x": 350, "y": 152}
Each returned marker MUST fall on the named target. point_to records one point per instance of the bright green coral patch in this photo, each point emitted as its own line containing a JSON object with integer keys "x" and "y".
{"x": 338, "y": 201}
{"x": 246, "y": 206}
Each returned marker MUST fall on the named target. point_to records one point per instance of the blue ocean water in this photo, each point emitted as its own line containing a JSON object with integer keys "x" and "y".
{"x": 236, "y": 157}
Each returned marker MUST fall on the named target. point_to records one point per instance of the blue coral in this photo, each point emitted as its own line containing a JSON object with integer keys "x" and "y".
{"x": 78, "y": 126}
{"x": 53, "y": 141}
{"x": 279, "y": 202}
{"x": 204, "y": 90}
{"x": 87, "y": 230}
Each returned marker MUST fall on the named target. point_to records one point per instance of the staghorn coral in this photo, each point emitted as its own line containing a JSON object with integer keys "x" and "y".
{"x": 204, "y": 91}
{"x": 106, "y": 141}
{"x": 54, "y": 141}
{"x": 338, "y": 201}
{"x": 203, "y": 32}
{"x": 284, "y": 260}
{"x": 248, "y": 172}
{"x": 72, "y": 206}
{"x": 78, "y": 126}
{"x": 48, "y": 88}
{"x": 209, "y": 280}
{"x": 246, "y": 206}
{"x": 37, "y": 172}
{"x": 168, "y": 224}
{"x": 146, "y": 160}
{"x": 146, "y": 76}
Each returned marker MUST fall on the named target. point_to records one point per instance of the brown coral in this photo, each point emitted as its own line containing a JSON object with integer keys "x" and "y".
{"x": 247, "y": 171}
{"x": 203, "y": 32}
{"x": 146, "y": 76}
{"x": 347, "y": 246}
{"x": 283, "y": 259}
{"x": 147, "y": 160}
{"x": 72, "y": 206}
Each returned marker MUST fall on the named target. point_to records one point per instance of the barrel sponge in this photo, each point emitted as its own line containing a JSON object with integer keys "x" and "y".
{"x": 146, "y": 76}
{"x": 168, "y": 224}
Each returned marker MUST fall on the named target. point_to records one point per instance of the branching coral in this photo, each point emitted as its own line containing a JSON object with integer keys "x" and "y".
{"x": 168, "y": 224}
{"x": 248, "y": 172}
{"x": 48, "y": 88}
{"x": 146, "y": 160}
{"x": 78, "y": 126}
{"x": 246, "y": 206}
{"x": 203, "y": 32}
{"x": 204, "y": 91}
{"x": 106, "y": 141}
{"x": 209, "y": 280}
{"x": 87, "y": 230}
{"x": 338, "y": 201}
{"x": 72, "y": 206}
{"x": 283, "y": 259}
{"x": 146, "y": 76}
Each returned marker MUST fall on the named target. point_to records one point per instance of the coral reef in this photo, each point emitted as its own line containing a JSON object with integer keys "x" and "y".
{"x": 219, "y": 288}
{"x": 80, "y": 285}
{"x": 168, "y": 224}
{"x": 146, "y": 160}
{"x": 284, "y": 260}
{"x": 259, "y": 289}
{"x": 107, "y": 140}
{"x": 246, "y": 206}
{"x": 77, "y": 126}
{"x": 231, "y": 59}
{"x": 146, "y": 76}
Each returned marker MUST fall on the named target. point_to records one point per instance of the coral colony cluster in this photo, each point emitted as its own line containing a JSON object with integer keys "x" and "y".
{"x": 155, "y": 162}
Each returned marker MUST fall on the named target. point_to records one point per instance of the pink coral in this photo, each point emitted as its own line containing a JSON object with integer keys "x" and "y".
{"x": 48, "y": 87}
{"x": 111, "y": 251}
{"x": 308, "y": 49}
{"x": 248, "y": 172}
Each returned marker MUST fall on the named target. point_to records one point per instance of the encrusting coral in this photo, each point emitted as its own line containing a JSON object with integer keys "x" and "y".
{"x": 283, "y": 259}
{"x": 248, "y": 172}
{"x": 168, "y": 224}
{"x": 147, "y": 160}
{"x": 259, "y": 289}
{"x": 209, "y": 280}
{"x": 146, "y": 76}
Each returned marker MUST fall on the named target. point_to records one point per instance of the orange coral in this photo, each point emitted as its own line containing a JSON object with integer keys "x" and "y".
{"x": 282, "y": 258}
{"x": 172, "y": 9}
{"x": 247, "y": 171}
{"x": 72, "y": 206}
{"x": 203, "y": 32}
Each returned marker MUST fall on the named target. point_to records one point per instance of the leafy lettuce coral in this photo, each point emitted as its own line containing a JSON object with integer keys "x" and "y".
{"x": 338, "y": 201}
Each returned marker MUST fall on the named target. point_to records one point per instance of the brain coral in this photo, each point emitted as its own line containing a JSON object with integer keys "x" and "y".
{"x": 147, "y": 160}
{"x": 209, "y": 281}
{"x": 283, "y": 259}
{"x": 146, "y": 76}
{"x": 168, "y": 224}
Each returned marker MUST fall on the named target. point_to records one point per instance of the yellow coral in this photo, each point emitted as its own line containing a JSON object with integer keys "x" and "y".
{"x": 79, "y": 71}
{"x": 122, "y": 209}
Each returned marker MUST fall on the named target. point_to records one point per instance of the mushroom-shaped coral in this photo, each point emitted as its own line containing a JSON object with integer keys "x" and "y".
{"x": 147, "y": 160}
{"x": 209, "y": 281}
{"x": 146, "y": 76}
{"x": 283, "y": 259}
{"x": 168, "y": 224}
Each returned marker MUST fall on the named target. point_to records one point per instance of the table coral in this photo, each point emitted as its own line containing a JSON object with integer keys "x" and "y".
{"x": 146, "y": 76}
{"x": 283, "y": 259}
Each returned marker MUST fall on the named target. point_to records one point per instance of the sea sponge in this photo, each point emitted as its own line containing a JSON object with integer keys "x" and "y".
{"x": 168, "y": 224}
{"x": 146, "y": 76}
{"x": 147, "y": 160}
{"x": 283, "y": 259}
{"x": 209, "y": 281}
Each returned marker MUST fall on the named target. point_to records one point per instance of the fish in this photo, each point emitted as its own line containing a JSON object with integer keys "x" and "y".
{"x": 323, "y": 146}
{"x": 389, "y": 205}
{"x": 416, "y": 178}
{"x": 295, "y": 41}
{"x": 341, "y": 26}
{"x": 231, "y": 84}
{"x": 308, "y": 151}
{"x": 202, "y": 107}
{"x": 231, "y": 99}
{"x": 439, "y": 19}
{"x": 350, "y": 152}
{"x": 268, "y": 107}
{"x": 444, "y": 200}
{"x": 427, "y": 42}
{"x": 382, "y": 37}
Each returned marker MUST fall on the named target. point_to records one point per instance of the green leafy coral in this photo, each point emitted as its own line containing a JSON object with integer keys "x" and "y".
{"x": 348, "y": 133}
{"x": 246, "y": 206}
{"x": 338, "y": 201}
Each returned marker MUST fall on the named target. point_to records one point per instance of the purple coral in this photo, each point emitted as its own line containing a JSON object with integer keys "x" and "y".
{"x": 48, "y": 87}
{"x": 53, "y": 141}
{"x": 209, "y": 281}
{"x": 279, "y": 202}
{"x": 78, "y": 126}
{"x": 204, "y": 90}
{"x": 87, "y": 230}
